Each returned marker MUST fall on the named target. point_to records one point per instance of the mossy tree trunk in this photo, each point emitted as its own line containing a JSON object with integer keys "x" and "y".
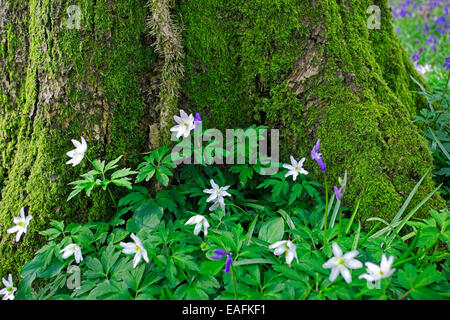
{"x": 310, "y": 68}
{"x": 57, "y": 84}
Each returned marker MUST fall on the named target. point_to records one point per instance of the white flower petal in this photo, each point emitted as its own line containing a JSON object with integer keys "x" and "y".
{"x": 136, "y": 259}
{"x": 280, "y": 250}
{"x": 197, "y": 228}
{"x": 346, "y": 275}
{"x": 331, "y": 263}
{"x": 334, "y": 273}
{"x": 353, "y": 264}
{"x": 277, "y": 244}
{"x": 350, "y": 255}
{"x": 13, "y": 229}
{"x": 337, "y": 250}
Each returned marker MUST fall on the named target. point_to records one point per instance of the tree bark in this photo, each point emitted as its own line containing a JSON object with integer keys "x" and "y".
{"x": 310, "y": 68}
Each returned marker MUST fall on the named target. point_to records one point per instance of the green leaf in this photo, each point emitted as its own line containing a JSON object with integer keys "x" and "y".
{"x": 123, "y": 182}
{"x": 295, "y": 192}
{"x": 99, "y": 165}
{"x": 95, "y": 268}
{"x": 52, "y": 270}
{"x": 162, "y": 177}
{"x": 252, "y": 261}
{"x": 122, "y": 173}
{"x": 272, "y": 231}
{"x": 147, "y": 217}
{"x": 146, "y": 173}
{"x": 112, "y": 164}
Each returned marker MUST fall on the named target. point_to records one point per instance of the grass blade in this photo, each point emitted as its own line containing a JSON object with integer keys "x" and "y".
{"x": 352, "y": 217}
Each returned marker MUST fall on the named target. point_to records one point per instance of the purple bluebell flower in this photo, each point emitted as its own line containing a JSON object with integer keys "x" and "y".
{"x": 228, "y": 263}
{"x": 315, "y": 155}
{"x": 197, "y": 120}
{"x": 416, "y": 56}
{"x": 339, "y": 192}
{"x": 446, "y": 64}
{"x": 441, "y": 25}
{"x": 219, "y": 254}
{"x": 432, "y": 40}
{"x": 427, "y": 29}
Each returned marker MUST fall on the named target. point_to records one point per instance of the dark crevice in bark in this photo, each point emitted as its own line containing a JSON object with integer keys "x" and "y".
{"x": 36, "y": 105}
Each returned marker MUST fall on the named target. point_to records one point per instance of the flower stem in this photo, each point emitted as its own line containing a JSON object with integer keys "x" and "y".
{"x": 233, "y": 275}
{"x": 326, "y": 212}
{"x": 89, "y": 159}
{"x": 112, "y": 197}
{"x": 339, "y": 227}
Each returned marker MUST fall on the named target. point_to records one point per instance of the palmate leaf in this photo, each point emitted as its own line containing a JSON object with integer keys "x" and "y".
{"x": 157, "y": 163}
{"x": 165, "y": 199}
{"x": 146, "y": 172}
{"x": 138, "y": 195}
{"x": 296, "y": 192}
{"x": 99, "y": 165}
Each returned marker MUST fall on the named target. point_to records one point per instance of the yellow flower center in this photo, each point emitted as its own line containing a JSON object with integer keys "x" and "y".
{"x": 9, "y": 289}
{"x": 340, "y": 261}
{"x": 21, "y": 224}
{"x": 137, "y": 249}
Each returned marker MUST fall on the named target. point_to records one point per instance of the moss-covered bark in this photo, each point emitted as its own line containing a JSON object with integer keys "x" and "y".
{"x": 57, "y": 84}
{"x": 310, "y": 68}
{"x": 313, "y": 69}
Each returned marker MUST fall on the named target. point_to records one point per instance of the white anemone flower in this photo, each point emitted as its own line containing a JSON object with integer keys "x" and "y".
{"x": 295, "y": 168}
{"x": 287, "y": 247}
{"x": 422, "y": 69}
{"x": 21, "y": 224}
{"x": 135, "y": 248}
{"x": 8, "y": 291}
{"x": 72, "y": 249}
{"x": 217, "y": 195}
{"x": 199, "y": 221}
{"x": 77, "y": 154}
{"x": 340, "y": 263}
{"x": 185, "y": 124}
{"x": 375, "y": 273}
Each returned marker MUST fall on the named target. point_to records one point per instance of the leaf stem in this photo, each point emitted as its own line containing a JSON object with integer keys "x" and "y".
{"x": 233, "y": 275}
{"x": 112, "y": 198}
{"x": 339, "y": 227}
{"x": 326, "y": 211}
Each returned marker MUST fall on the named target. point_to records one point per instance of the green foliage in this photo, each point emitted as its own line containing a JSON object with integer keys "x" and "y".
{"x": 434, "y": 121}
{"x": 180, "y": 264}
{"x": 90, "y": 181}
{"x": 157, "y": 162}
